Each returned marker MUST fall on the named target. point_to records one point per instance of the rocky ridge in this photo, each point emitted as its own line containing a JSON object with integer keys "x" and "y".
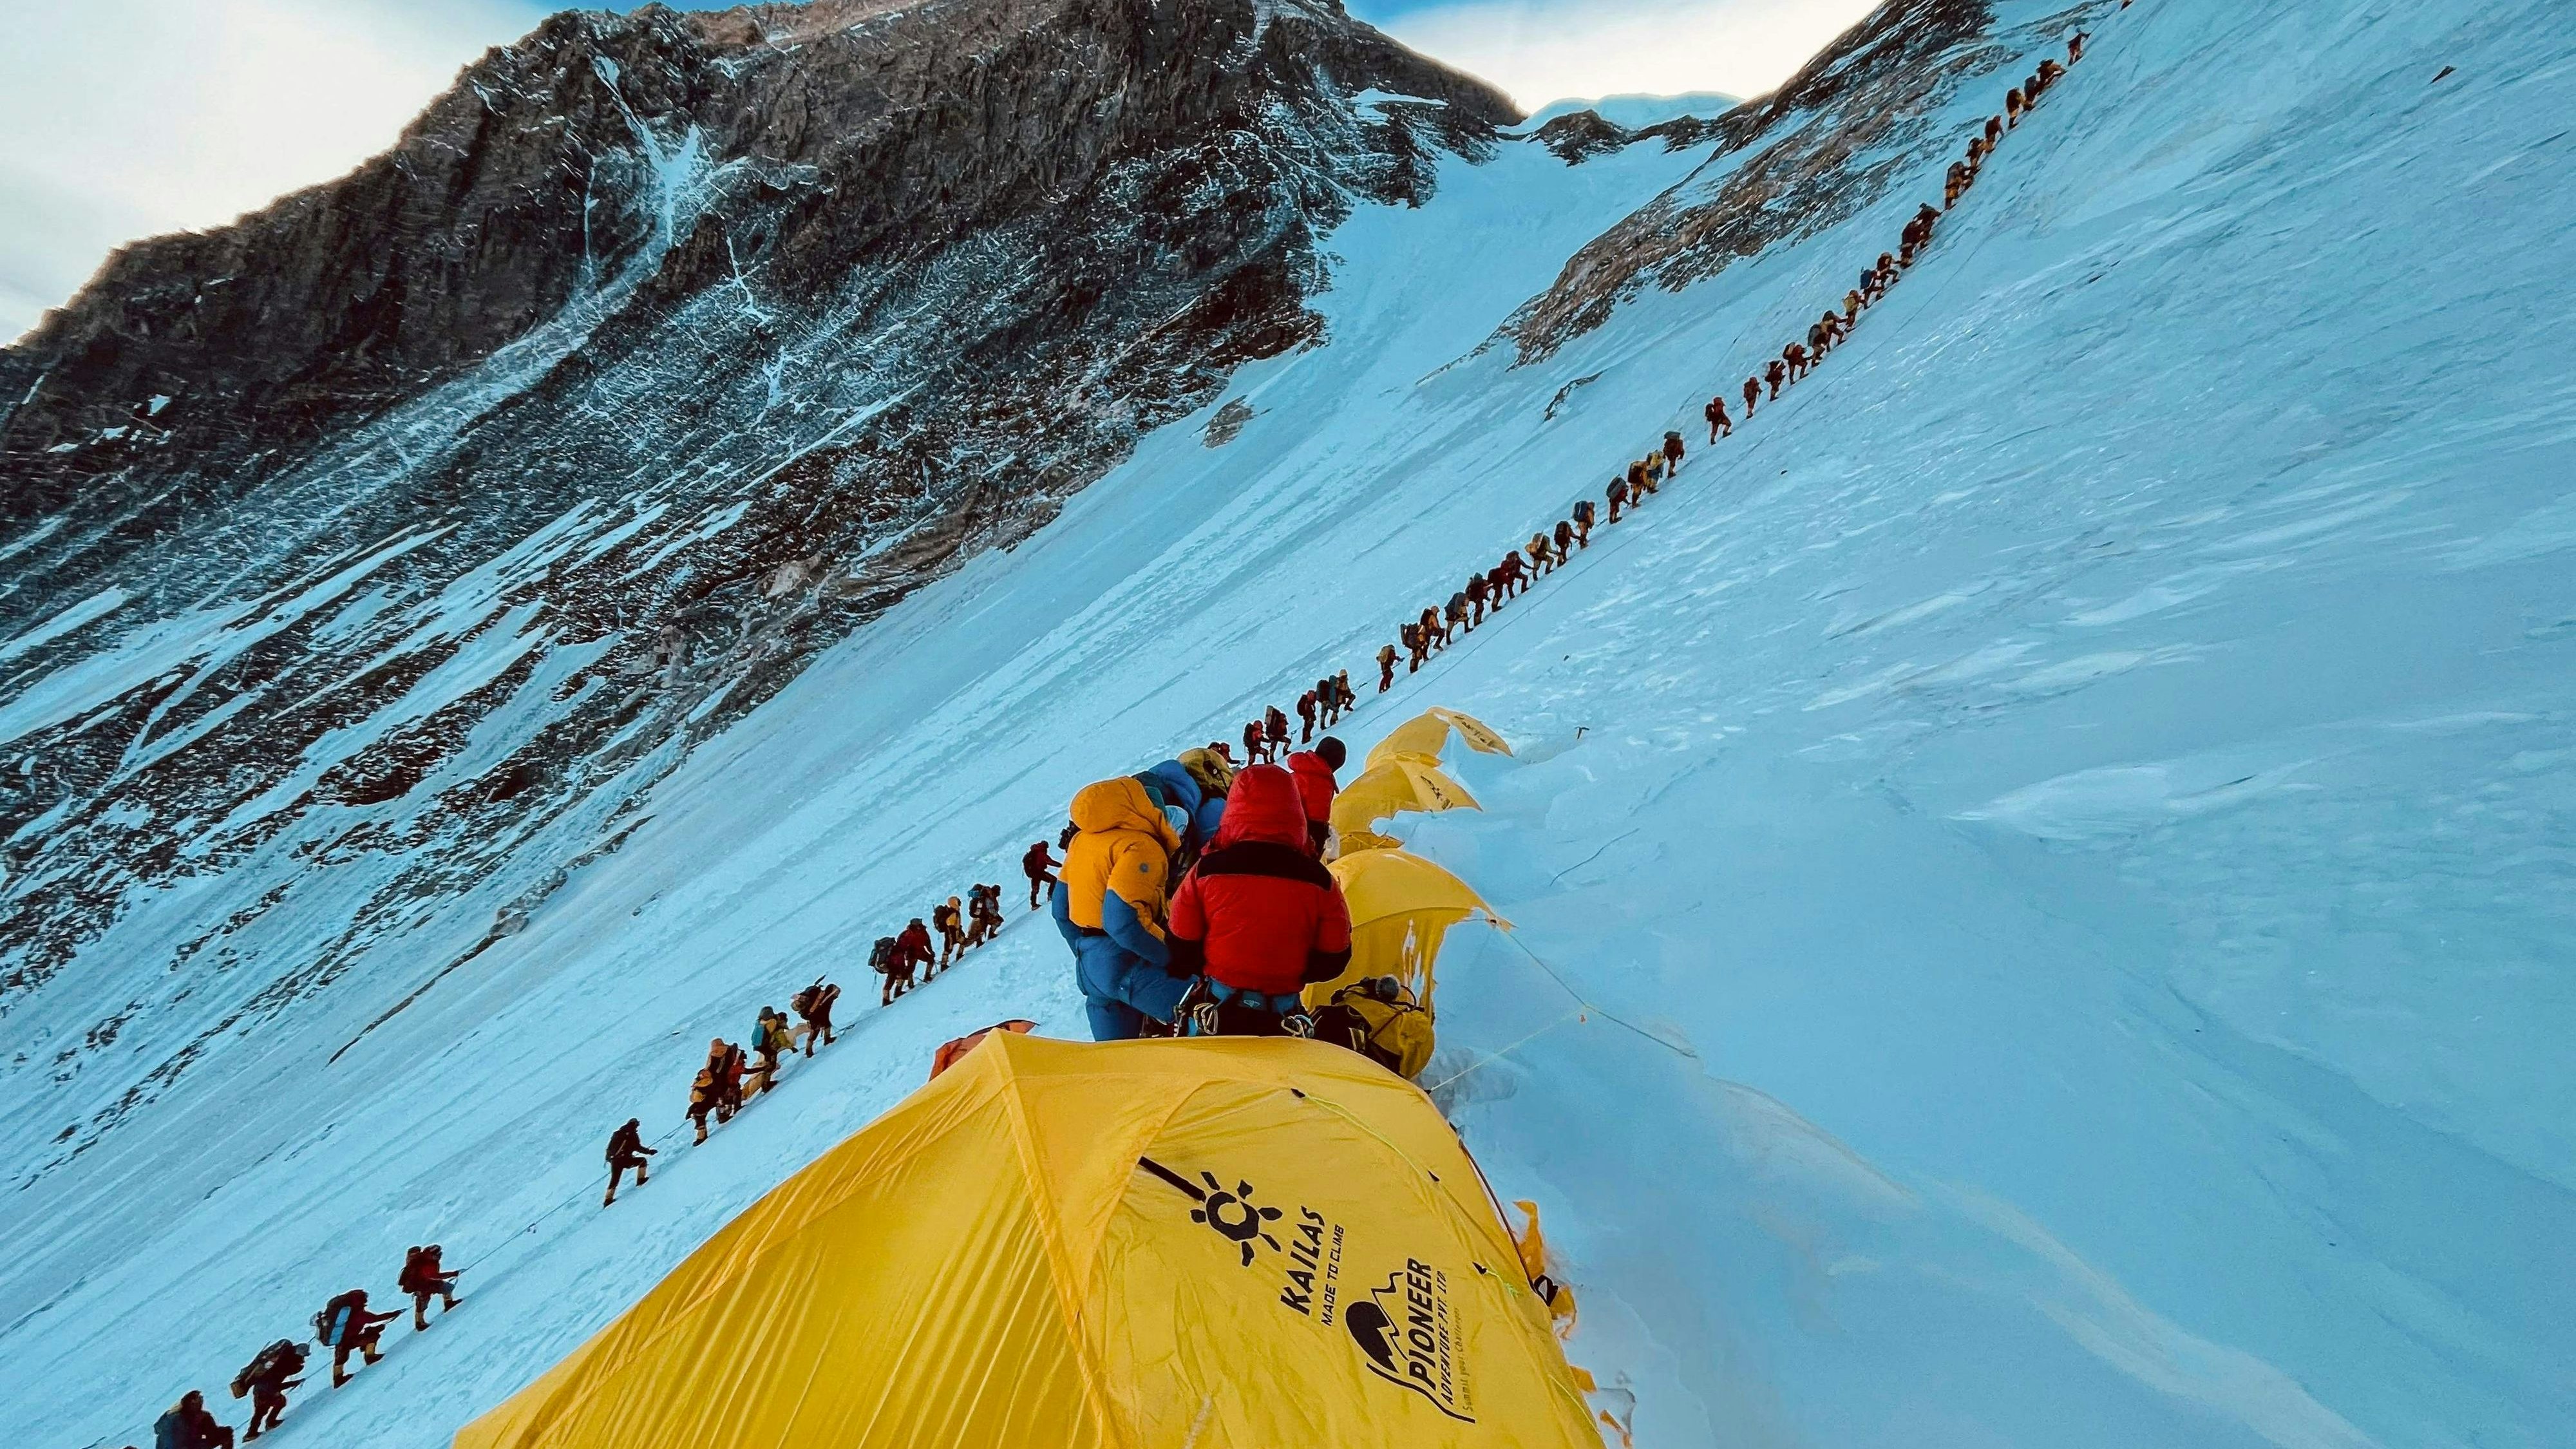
{"x": 373, "y": 555}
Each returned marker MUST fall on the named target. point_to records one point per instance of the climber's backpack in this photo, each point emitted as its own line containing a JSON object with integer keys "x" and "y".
{"x": 1394, "y": 1034}
{"x": 881, "y": 956}
{"x": 338, "y": 1317}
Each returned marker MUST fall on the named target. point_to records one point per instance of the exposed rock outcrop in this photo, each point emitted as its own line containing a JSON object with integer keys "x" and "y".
{"x": 1813, "y": 153}
{"x": 403, "y": 532}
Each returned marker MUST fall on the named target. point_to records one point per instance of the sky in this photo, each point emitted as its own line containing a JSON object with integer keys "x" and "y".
{"x": 128, "y": 118}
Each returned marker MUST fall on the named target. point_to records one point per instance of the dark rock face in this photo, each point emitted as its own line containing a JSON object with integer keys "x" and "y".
{"x": 1812, "y": 154}
{"x": 401, "y": 534}
{"x": 1578, "y": 136}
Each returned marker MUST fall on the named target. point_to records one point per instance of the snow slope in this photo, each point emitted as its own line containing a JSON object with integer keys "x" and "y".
{"x": 2063, "y": 824}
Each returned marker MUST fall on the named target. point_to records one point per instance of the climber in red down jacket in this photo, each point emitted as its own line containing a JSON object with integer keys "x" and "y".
{"x": 1260, "y": 916}
{"x": 1313, "y": 771}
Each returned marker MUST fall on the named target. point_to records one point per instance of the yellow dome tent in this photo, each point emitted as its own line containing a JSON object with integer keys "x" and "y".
{"x": 1223, "y": 1244}
{"x": 1401, "y": 907}
{"x": 1402, "y": 783}
{"x": 1424, "y": 736}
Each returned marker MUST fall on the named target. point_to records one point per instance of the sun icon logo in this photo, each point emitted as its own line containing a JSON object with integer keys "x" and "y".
{"x": 1234, "y": 1215}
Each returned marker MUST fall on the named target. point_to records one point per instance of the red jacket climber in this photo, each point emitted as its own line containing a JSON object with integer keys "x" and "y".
{"x": 1259, "y": 913}
{"x": 1313, "y": 771}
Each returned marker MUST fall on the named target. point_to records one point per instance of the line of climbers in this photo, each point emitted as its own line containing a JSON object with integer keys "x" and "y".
{"x": 908, "y": 958}
{"x": 345, "y": 1325}
{"x": 1549, "y": 549}
{"x": 1255, "y": 917}
{"x": 1265, "y": 740}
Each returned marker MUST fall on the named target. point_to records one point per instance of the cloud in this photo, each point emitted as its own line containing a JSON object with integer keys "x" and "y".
{"x": 1548, "y": 50}
{"x": 128, "y": 118}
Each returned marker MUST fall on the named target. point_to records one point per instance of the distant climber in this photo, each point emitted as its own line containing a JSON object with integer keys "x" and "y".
{"x": 1515, "y": 574}
{"x": 1110, "y": 907}
{"x": 1953, "y": 183}
{"x": 626, "y": 1153}
{"x": 266, "y": 1378}
{"x": 1350, "y": 698}
{"x": 950, "y": 922}
{"x": 1617, "y": 493}
{"x": 730, "y": 1065}
{"x": 1673, "y": 451}
{"x": 1254, "y": 751}
{"x": 1994, "y": 133}
{"x": 813, "y": 1006}
{"x": 705, "y": 1095}
{"x": 1260, "y": 917}
{"x": 1313, "y": 770}
{"x": 1818, "y": 340}
{"x": 1776, "y": 373}
{"x": 770, "y": 1040}
{"x": 1385, "y": 668}
{"x": 1435, "y": 635}
{"x": 1563, "y": 537}
{"x": 1719, "y": 424}
{"x": 1542, "y": 554}
{"x": 1411, "y": 634}
{"x": 1752, "y": 392}
{"x": 1475, "y": 592}
{"x": 2012, "y": 107}
{"x": 1457, "y": 615}
{"x": 1851, "y": 307}
{"x": 1583, "y": 516}
{"x": 913, "y": 953}
{"x": 1306, "y": 707}
{"x": 2075, "y": 47}
{"x": 345, "y": 1326}
{"x": 424, "y": 1277}
{"x": 189, "y": 1425}
{"x": 983, "y": 914}
{"x": 881, "y": 960}
{"x": 1274, "y": 730}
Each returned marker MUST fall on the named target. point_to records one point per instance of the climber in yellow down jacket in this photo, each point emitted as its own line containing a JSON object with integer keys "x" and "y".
{"x": 1110, "y": 904}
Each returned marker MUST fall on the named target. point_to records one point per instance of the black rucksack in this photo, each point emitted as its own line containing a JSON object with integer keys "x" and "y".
{"x": 331, "y": 1310}
{"x": 881, "y": 956}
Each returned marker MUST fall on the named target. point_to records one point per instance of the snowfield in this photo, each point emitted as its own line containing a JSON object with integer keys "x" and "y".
{"x": 2043, "y": 866}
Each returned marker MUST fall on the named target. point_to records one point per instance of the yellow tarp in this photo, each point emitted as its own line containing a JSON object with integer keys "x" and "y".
{"x": 1400, "y": 784}
{"x": 1227, "y": 1243}
{"x": 1401, "y": 907}
{"x": 1425, "y": 735}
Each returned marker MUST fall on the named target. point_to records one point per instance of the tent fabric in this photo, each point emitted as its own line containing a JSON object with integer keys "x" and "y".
{"x": 1228, "y": 1243}
{"x": 1383, "y": 883}
{"x": 1424, "y": 736}
{"x": 1399, "y": 784}
{"x": 1402, "y": 907}
{"x": 950, "y": 1051}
